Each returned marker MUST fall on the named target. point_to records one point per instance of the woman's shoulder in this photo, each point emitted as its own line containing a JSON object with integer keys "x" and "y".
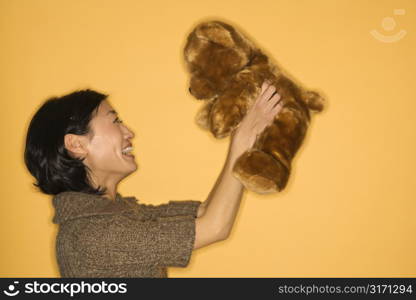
{"x": 71, "y": 205}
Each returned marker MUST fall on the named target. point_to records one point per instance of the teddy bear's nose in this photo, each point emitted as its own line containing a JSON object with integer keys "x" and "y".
{"x": 190, "y": 90}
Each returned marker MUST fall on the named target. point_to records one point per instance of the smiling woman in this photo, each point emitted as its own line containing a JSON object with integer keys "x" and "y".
{"x": 86, "y": 149}
{"x": 103, "y": 149}
{"x": 79, "y": 150}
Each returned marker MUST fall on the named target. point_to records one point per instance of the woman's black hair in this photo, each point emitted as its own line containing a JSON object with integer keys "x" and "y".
{"x": 45, "y": 155}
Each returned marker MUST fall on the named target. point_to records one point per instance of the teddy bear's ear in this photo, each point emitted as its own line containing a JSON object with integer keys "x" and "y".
{"x": 215, "y": 32}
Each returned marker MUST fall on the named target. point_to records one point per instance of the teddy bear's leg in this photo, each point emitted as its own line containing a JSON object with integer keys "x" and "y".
{"x": 266, "y": 168}
{"x": 261, "y": 172}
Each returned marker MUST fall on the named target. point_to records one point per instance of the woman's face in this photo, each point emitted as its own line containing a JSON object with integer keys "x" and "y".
{"x": 109, "y": 136}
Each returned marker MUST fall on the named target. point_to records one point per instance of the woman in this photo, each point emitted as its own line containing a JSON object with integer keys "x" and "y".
{"x": 78, "y": 150}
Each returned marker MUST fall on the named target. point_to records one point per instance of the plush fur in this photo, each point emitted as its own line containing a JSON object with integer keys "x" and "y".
{"x": 227, "y": 71}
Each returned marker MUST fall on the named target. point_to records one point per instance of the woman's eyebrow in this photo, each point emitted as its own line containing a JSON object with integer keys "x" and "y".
{"x": 112, "y": 112}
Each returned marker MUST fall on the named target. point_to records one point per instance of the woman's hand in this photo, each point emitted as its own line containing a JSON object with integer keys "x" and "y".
{"x": 258, "y": 117}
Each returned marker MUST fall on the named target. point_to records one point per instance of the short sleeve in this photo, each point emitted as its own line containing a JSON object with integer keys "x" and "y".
{"x": 173, "y": 208}
{"x": 117, "y": 239}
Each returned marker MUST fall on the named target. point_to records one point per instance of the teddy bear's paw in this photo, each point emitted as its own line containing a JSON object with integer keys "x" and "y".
{"x": 260, "y": 172}
{"x": 225, "y": 117}
{"x": 219, "y": 130}
{"x": 202, "y": 116}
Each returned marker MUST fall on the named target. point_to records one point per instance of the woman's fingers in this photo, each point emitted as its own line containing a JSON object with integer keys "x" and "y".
{"x": 267, "y": 95}
{"x": 276, "y": 104}
{"x": 277, "y": 107}
{"x": 273, "y": 101}
{"x": 265, "y": 88}
{"x": 264, "y": 110}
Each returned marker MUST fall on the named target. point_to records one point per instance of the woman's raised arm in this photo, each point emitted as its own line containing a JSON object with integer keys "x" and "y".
{"x": 217, "y": 213}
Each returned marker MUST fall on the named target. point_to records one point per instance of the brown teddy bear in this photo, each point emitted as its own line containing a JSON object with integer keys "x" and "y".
{"x": 227, "y": 72}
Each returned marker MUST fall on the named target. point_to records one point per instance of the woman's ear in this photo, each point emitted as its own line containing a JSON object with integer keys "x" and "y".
{"x": 76, "y": 145}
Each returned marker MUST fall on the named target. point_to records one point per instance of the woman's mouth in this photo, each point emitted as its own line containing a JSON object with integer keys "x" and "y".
{"x": 127, "y": 151}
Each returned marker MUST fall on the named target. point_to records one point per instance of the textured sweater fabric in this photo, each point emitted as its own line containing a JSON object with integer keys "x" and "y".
{"x": 99, "y": 237}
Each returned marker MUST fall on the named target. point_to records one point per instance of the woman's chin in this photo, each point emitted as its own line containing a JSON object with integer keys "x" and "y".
{"x": 131, "y": 160}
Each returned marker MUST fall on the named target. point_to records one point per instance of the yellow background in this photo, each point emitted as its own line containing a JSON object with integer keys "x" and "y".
{"x": 349, "y": 206}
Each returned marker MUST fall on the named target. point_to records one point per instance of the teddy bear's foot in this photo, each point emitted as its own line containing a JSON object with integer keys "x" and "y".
{"x": 260, "y": 172}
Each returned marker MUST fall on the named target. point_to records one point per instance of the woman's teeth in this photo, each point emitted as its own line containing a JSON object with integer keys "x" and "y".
{"x": 127, "y": 150}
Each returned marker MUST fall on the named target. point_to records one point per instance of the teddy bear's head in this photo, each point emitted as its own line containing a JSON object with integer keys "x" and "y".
{"x": 214, "y": 52}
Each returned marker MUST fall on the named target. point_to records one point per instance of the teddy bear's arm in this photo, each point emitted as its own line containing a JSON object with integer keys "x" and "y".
{"x": 231, "y": 106}
{"x": 203, "y": 115}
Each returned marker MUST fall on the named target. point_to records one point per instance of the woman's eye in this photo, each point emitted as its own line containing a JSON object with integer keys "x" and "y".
{"x": 117, "y": 120}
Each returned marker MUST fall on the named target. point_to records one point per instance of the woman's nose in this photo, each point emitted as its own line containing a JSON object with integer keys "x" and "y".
{"x": 129, "y": 133}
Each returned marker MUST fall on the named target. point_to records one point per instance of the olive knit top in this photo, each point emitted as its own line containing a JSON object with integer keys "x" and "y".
{"x": 99, "y": 237}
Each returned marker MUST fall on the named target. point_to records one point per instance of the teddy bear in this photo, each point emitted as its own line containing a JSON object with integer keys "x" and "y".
{"x": 226, "y": 72}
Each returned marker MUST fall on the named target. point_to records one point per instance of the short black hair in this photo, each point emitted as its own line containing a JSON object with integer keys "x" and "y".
{"x": 45, "y": 155}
